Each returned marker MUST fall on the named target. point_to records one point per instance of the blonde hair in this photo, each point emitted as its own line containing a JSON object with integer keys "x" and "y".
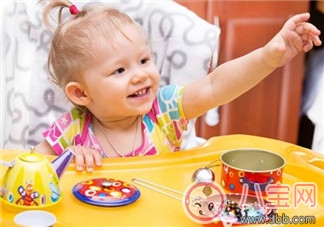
{"x": 73, "y": 40}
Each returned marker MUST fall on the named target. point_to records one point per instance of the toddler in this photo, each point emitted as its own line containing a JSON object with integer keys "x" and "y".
{"x": 102, "y": 59}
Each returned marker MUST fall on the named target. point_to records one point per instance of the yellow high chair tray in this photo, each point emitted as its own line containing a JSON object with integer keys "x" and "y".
{"x": 303, "y": 170}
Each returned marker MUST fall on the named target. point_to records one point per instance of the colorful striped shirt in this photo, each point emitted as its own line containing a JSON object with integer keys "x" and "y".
{"x": 162, "y": 126}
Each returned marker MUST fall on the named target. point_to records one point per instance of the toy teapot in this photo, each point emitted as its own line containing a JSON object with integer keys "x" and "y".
{"x": 32, "y": 182}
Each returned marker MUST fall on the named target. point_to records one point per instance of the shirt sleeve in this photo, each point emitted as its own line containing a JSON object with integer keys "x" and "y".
{"x": 66, "y": 130}
{"x": 169, "y": 113}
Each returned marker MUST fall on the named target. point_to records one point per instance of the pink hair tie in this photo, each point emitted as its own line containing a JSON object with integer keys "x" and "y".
{"x": 74, "y": 10}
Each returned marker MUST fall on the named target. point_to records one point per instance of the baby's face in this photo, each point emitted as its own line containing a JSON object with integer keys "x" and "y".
{"x": 123, "y": 79}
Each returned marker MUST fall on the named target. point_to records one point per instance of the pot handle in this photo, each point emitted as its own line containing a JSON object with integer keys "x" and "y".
{"x": 212, "y": 163}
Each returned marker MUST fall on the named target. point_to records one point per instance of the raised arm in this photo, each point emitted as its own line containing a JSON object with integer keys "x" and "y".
{"x": 235, "y": 77}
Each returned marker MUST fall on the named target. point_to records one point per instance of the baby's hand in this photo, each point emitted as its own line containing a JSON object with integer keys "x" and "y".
{"x": 86, "y": 157}
{"x": 295, "y": 36}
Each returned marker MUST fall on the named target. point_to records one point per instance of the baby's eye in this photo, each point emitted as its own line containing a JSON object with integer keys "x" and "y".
{"x": 120, "y": 70}
{"x": 144, "y": 60}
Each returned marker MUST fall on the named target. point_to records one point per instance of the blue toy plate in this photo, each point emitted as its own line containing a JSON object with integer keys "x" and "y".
{"x": 107, "y": 192}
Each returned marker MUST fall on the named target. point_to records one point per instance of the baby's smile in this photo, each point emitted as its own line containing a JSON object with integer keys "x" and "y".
{"x": 140, "y": 93}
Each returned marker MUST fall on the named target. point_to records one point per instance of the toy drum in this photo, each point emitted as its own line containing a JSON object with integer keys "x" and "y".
{"x": 250, "y": 171}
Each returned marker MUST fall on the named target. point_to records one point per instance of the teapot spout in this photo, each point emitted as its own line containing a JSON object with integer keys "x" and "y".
{"x": 62, "y": 162}
{"x": 6, "y": 163}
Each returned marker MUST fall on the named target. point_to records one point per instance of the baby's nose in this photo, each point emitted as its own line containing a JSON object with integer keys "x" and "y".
{"x": 139, "y": 76}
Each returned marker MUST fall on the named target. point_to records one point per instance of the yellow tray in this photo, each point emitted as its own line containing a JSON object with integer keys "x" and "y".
{"x": 174, "y": 171}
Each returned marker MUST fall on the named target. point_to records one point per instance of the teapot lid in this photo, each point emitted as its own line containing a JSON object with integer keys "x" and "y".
{"x": 31, "y": 156}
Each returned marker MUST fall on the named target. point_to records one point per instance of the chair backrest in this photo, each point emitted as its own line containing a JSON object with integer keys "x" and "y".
{"x": 183, "y": 45}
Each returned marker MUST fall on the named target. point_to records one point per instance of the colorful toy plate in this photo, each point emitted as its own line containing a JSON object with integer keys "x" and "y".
{"x": 106, "y": 192}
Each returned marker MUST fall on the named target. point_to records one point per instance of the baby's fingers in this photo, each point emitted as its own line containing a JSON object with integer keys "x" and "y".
{"x": 86, "y": 157}
{"x": 92, "y": 158}
{"x": 97, "y": 157}
{"x": 79, "y": 158}
{"x": 309, "y": 32}
{"x": 308, "y": 45}
{"x": 299, "y": 18}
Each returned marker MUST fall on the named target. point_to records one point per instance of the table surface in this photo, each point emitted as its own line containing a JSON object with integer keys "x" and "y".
{"x": 173, "y": 171}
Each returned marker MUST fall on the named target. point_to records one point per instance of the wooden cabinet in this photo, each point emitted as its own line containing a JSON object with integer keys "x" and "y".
{"x": 271, "y": 109}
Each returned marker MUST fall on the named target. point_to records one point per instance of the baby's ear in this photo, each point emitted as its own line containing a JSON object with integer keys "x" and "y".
{"x": 76, "y": 94}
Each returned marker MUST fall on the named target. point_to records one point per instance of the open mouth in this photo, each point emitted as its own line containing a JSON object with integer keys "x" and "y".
{"x": 139, "y": 93}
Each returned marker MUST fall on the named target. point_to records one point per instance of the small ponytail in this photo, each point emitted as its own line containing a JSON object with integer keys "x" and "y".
{"x": 74, "y": 10}
{"x": 53, "y": 4}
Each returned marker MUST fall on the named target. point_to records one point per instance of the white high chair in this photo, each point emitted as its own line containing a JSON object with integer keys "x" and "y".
{"x": 183, "y": 44}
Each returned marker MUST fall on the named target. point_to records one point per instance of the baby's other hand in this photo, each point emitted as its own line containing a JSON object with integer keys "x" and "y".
{"x": 295, "y": 36}
{"x": 86, "y": 157}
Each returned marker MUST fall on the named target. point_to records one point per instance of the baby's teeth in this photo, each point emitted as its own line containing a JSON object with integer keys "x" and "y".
{"x": 140, "y": 93}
